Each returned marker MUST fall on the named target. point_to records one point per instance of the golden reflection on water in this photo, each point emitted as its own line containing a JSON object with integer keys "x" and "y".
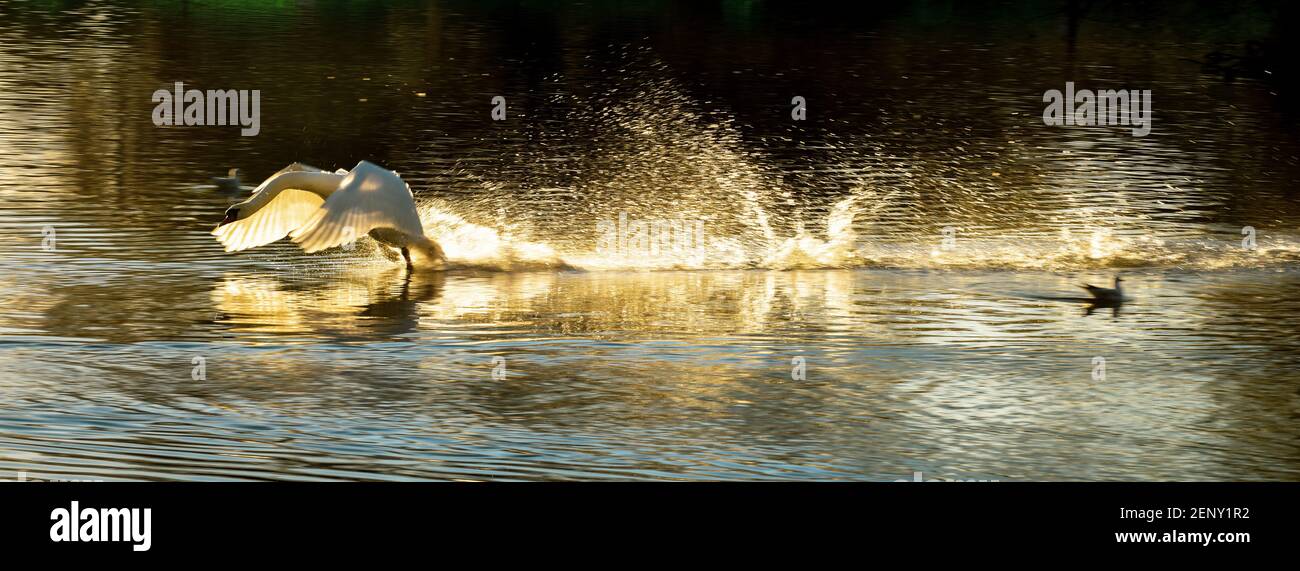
{"x": 958, "y": 367}
{"x": 392, "y": 302}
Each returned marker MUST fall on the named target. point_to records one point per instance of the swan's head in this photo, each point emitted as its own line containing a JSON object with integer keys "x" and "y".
{"x": 232, "y": 214}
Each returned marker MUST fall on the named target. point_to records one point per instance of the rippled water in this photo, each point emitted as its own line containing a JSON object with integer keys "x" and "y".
{"x": 824, "y": 244}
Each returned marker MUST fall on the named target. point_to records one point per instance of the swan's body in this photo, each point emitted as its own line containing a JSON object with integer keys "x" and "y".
{"x": 319, "y": 210}
{"x": 229, "y": 183}
{"x": 1106, "y": 295}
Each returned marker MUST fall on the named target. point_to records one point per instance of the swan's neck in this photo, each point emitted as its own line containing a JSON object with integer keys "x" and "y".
{"x": 322, "y": 184}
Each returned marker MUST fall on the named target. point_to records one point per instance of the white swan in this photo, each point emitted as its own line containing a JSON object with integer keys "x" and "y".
{"x": 319, "y": 210}
{"x": 1107, "y": 295}
{"x": 228, "y": 183}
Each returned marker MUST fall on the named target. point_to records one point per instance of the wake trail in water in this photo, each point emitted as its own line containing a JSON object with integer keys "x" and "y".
{"x": 842, "y": 245}
{"x": 652, "y": 179}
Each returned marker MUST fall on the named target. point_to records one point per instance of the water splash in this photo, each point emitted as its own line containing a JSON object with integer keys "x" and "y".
{"x": 473, "y": 245}
{"x": 656, "y": 154}
{"x": 842, "y": 244}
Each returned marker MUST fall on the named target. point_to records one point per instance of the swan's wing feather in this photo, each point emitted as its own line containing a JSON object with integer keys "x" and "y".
{"x": 299, "y": 167}
{"x": 286, "y": 212}
{"x": 368, "y": 198}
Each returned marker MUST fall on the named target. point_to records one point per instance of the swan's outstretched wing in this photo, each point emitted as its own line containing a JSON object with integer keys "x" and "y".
{"x": 369, "y": 197}
{"x": 284, "y": 213}
{"x": 300, "y": 167}
{"x": 282, "y": 203}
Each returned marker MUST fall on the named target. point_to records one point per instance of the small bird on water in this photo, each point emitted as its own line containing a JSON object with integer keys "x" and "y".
{"x": 229, "y": 183}
{"x": 1109, "y": 298}
{"x": 1106, "y": 295}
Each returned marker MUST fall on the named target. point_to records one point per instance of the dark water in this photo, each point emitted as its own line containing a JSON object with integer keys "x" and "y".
{"x": 826, "y": 244}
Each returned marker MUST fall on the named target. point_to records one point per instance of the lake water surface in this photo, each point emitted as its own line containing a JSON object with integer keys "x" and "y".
{"x": 901, "y": 247}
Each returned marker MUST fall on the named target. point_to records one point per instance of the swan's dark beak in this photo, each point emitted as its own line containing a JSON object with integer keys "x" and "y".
{"x": 231, "y": 216}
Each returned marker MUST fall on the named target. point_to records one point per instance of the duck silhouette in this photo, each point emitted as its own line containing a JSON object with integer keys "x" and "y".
{"x": 1107, "y": 295}
{"x": 1101, "y": 297}
{"x": 228, "y": 183}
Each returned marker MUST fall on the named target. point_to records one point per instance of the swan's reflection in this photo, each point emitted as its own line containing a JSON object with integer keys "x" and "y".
{"x": 350, "y": 307}
{"x": 413, "y": 289}
{"x": 369, "y": 305}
